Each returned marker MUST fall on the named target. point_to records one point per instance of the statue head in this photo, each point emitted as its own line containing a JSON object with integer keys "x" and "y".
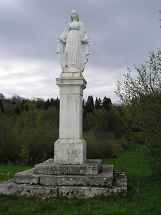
{"x": 74, "y": 15}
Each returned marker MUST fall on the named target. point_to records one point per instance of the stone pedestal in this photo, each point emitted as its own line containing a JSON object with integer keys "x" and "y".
{"x": 70, "y": 148}
{"x": 69, "y": 173}
{"x": 51, "y": 180}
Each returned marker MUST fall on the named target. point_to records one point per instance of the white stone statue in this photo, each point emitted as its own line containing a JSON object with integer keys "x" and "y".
{"x": 73, "y": 46}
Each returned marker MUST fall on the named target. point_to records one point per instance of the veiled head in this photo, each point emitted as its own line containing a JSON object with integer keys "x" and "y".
{"x": 74, "y": 15}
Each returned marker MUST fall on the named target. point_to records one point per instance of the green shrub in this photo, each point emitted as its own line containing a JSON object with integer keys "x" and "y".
{"x": 141, "y": 102}
{"x": 103, "y": 145}
{"x": 36, "y": 131}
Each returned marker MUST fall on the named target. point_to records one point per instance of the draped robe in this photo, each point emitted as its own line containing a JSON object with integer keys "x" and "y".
{"x": 73, "y": 47}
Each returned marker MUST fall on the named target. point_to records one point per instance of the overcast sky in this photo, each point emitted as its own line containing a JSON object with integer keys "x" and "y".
{"x": 123, "y": 32}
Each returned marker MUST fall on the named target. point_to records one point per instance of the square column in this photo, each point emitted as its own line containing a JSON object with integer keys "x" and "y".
{"x": 70, "y": 148}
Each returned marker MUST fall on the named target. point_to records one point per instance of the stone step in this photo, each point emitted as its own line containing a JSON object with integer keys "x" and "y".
{"x": 103, "y": 179}
{"x": 87, "y": 192}
{"x": 11, "y": 188}
{"x": 27, "y": 177}
{"x": 90, "y": 167}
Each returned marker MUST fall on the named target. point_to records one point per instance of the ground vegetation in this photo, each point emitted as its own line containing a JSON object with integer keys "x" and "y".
{"x": 140, "y": 98}
{"x": 29, "y": 128}
{"x": 143, "y": 195}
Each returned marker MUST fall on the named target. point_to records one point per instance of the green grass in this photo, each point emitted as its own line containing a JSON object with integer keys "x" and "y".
{"x": 7, "y": 171}
{"x": 143, "y": 197}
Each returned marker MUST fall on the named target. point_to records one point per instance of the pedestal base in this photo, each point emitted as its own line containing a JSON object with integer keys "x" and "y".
{"x": 103, "y": 179}
{"x": 27, "y": 183}
{"x": 70, "y": 151}
{"x": 89, "y": 167}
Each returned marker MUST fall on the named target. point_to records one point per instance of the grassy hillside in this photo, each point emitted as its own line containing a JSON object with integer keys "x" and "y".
{"x": 144, "y": 193}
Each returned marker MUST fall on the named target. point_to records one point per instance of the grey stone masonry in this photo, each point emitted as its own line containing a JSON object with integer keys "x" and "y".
{"x": 89, "y": 180}
{"x": 120, "y": 178}
{"x": 11, "y": 188}
{"x": 88, "y": 192}
{"x": 90, "y": 167}
{"x": 103, "y": 179}
{"x": 26, "y": 177}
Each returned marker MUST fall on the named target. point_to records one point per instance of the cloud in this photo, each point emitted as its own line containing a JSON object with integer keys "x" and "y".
{"x": 28, "y": 79}
{"x": 122, "y": 34}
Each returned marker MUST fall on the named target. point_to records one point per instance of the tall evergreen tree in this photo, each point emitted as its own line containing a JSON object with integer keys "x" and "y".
{"x": 17, "y": 111}
{"x": 106, "y": 104}
{"x": 89, "y": 105}
{"x": 55, "y": 102}
{"x": 47, "y": 105}
{"x": 98, "y": 103}
{"x": 40, "y": 103}
{"x": 1, "y": 106}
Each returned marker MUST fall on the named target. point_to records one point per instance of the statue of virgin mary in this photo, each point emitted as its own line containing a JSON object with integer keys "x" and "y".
{"x": 73, "y": 46}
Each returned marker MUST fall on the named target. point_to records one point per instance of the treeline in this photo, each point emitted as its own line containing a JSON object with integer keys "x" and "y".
{"x": 102, "y": 128}
{"x": 29, "y": 128}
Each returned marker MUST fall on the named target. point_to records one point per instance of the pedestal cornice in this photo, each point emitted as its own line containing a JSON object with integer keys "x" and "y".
{"x": 71, "y": 78}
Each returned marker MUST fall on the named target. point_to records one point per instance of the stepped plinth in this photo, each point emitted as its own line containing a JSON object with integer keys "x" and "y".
{"x": 89, "y": 167}
{"x": 51, "y": 180}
